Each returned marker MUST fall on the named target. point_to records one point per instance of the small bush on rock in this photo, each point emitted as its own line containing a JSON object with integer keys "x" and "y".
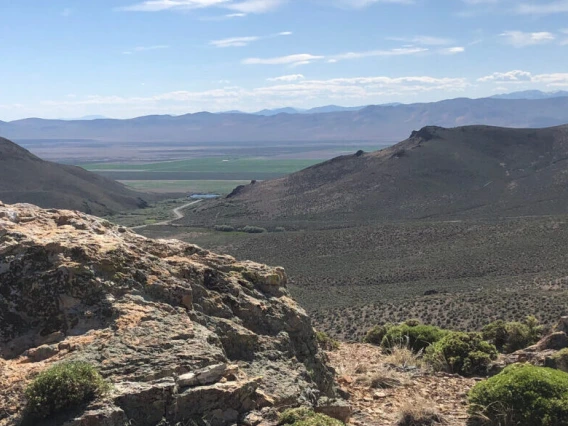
{"x": 416, "y": 337}
{"x": 558, "y": 360}
{"x": 305, "y": 417}
{"x": 511, "y": 336}
{"x": 522, "y": 395}
{"x": 64, "y": 386}
{"x": 375, "y": 335}
{"x": 461, "y": 353}
{"x": 326, "y": 342}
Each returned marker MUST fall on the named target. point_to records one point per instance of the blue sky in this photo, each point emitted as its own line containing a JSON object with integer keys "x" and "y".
{"x": 126, "y": 58}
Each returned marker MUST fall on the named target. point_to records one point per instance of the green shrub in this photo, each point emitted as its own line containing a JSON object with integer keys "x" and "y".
{"x": 253, "y": 230}
{"x": 511, "y": 336}
{"x": 375, "y": 335}
{"x": 412, "y": 322}
{"x": 558, "y": 360}
{"x": 279, "y": 229}
{"x": 326, "y": 342}
{"x": 461, "y": 353}
{"x": 223, "y": 228}
{"x": 64, "y": 386}
{"x": 305, "y": 417}
{"x": 415, "y": 337}
{"x": 522, "y": 395}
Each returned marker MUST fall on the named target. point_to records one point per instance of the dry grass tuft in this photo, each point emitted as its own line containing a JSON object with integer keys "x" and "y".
{"x": 403, "y": 357}
{"x": 419, "y": 412}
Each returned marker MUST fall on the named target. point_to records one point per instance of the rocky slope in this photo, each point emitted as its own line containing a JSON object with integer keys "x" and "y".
{"x": 182, "y": 333}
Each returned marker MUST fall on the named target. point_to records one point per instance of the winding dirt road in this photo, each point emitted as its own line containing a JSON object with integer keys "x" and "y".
{"x": 177, "y": 213}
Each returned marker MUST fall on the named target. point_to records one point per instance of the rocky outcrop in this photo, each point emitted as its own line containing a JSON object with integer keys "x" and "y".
{"x": 182, "y": 333}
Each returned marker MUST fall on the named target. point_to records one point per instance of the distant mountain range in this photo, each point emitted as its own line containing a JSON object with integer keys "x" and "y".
{"x": 25, "y": 178}
{"x": 532, "y": 94}
{"x": 373, "y": 123}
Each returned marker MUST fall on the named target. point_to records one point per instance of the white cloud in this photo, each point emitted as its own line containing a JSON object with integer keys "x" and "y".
{"x": 66, "y": 12}
{"x": 223, "y": 17}
{"x": 522, "y": 39}
{"x": 159, "y": 5}
{"x": 292, "y": 77}
{"x": 299, "y": 90}
{"x": 359, "y": 4}
{"x": 241, "y": 7}
{"x": 525, "y": 77}
{"x": 233, "y": 42}
{"x": 370, "y": 53}
{"x": 245, "y": 41}
{"x": 507, "y": 77}
{"x": 539, "y": 8}
{"x": 452, "y": 50}
{"x": 298, "y": 59}
{"x": 146, "y": 48}
{"x": 306, "y": 58}
{"x": 424, "y": 40}
{"x": 256, "y": 6}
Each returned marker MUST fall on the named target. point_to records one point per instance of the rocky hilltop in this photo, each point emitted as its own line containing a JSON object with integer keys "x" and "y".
{"x": 182, "y": 334}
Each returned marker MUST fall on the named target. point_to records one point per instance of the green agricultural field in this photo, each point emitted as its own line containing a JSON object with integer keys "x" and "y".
{"x": 221, "y": 187}
{"x": 221, "y": 165}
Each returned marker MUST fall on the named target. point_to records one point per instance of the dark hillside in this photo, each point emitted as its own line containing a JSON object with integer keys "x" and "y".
{"x": 25, "y": 178}
{"x": 465, "y": 172}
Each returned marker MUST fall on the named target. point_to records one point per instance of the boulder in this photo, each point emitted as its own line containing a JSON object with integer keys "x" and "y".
{"x": 166, "y": 322}
{"x": 555, "y": 341}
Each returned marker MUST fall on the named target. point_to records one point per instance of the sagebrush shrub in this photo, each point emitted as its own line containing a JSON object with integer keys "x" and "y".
{"x": 511, "y": 336}
{"x": 224, "y": 228}
{"x": 305, "y": 417}
{"x": 326, "y": 342}
{"x": 461, "y": 353}
{"x": 415, "y": 337}
{"x": 64, "y": 386}
{"x": 375, "y": 335}
{"x": 253, "y": 230}
{"x": 522, "y": 395}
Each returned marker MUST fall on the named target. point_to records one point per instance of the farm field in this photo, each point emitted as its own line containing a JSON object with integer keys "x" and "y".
{"x": 216, "y": 168}
{"x": 207, "y": 175}
{"x": 220, "y": 187}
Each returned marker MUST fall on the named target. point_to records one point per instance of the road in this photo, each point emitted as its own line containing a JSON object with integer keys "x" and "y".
{"x": 177, "y": 213}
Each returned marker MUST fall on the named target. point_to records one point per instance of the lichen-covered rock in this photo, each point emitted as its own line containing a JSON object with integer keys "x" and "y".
{"x": 182, "y": 333}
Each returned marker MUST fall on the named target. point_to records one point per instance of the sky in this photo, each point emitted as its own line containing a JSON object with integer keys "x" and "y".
{"x": 127, "y": 58}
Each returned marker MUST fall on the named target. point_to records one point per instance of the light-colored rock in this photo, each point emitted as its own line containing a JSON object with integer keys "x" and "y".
{"x": 166, "y": 322}
{"x": 106, "y": 416}
{"x": 42, "y": 353}
{"x": 206, "y": 376}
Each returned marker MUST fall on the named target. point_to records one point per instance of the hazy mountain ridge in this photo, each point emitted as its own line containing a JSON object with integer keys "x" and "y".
{"x": 376, "y": 123}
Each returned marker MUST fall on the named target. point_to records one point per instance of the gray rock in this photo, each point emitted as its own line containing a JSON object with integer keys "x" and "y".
{"x": 206, "y": 376}
{"x": 42, "y": 353}
{"x": 164, "y": 321}
{"x": 108, "y": 415}
{"x": 337, "y": 408}
{"x": 555, "y": 341}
